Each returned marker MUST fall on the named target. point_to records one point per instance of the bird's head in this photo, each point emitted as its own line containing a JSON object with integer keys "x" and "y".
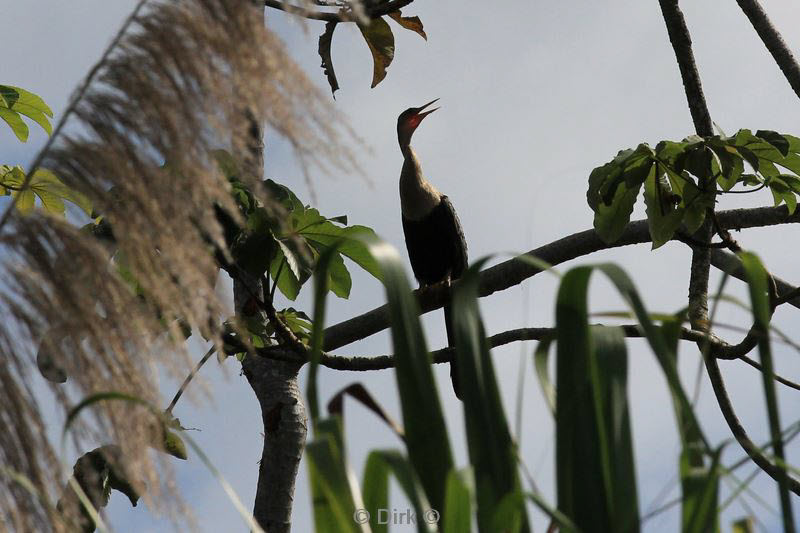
{"x": 409, "y": 119}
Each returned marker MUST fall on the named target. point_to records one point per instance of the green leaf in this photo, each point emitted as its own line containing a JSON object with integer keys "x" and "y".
{"x": 381, "y": 462}
{"x": 781, "y": 192}
{"x": 287, "y": 283}
{"x": 540, "y": 358}
{"x": 756, "y": 276}
{"x": 743, "y": 525}
{"x": 28, "y": 104}
{"x": 174, "y": 445}
{"x": 610, "y": 220}
{"x": 324, "y": 49}
{"x": 15, "y": 122}
{"x": 594, "y": 455}
{"x": 573, "y": 470}
{"x": 457, "y": 516}
{"x": 46, "y": 186}
{"x": 492, "y": 452}
{"x": 775, "y": 139}
{"x": 380, "y": 40}
{"x": 700, "y": 492}
{"x": 663, "y": 217}
{"x": 333, "y": 499}
{"x": 731, "y": 163}
{"x": 410, "y": 23}
{"x": 426, "y": 432}
{"x": 376, "y": 491}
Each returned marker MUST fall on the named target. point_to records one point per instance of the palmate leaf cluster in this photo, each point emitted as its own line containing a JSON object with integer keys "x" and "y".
{"x": 285, "y": 245}
{"x": 44, "y": 186}
{"x": 681, "y": 180}
{"x": 16, "y": 103}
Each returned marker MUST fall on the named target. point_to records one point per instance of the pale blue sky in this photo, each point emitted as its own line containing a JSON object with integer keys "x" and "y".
{"x": 534, "y": 95}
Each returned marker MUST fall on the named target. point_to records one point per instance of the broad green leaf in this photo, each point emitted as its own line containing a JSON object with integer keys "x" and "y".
{"x": 339, "y": 280}
{"x": 410, "y": 23}
{"x": 775, "y": 139}
{"x": 610, "y": 220}
{"x": 46, "y": 186}
{"x": 756, "y": 276}
{"x": 324, "y": 232}
{"x": 492, "y": 452}
{"x": 324, "y": 49}
{"x": 731, "y": 163}
{"x": 287, "y": 283}
{"x": 28, "y": 104}
{"x": 663, "y": 217}
{"x": 15, "y": 122}
{"x": 380, "y": 40}
{"x": 457, "y": 515}
{"x": 696, "y": 203}
{"x": 781, "y": 192}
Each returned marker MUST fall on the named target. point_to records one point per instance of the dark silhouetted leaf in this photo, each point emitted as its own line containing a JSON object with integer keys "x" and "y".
{"x": 325, "y": 41}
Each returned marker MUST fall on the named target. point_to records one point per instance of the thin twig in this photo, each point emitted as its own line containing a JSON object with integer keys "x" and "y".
{"x": 189, "y": 378}
{"x": 718, "y": 385}
{"x": 682, "y": 46}
{"x": 773, "y": 41}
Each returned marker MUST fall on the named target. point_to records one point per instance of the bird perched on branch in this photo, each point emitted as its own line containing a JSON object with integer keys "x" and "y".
{"x": 434, "y": 238}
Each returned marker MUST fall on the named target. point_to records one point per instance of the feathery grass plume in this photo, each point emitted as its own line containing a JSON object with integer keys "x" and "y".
{"x": 190, "y": 76}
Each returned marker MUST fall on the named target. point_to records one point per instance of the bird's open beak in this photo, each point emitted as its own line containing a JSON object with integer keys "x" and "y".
{"x": 422, "y": 115}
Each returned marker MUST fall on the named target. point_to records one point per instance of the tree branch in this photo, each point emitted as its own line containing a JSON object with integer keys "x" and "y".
{"x": 340, "y": 16}
{"x": 773, "y": 41}
{"x": 512, "y": 272}
{"x": 682, "y": 45}
{"x": 364, "y": 363}
{"x": 728, "y": 262}
{"x": 718, "y": 385}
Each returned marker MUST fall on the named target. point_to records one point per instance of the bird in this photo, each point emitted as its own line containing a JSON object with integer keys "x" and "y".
{"x": 434, "y": 238}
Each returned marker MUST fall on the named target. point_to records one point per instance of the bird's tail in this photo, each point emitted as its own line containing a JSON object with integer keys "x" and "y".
{"x": 451, "y": 337}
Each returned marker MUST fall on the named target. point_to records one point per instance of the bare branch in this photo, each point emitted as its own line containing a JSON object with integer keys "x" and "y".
{"x": 773, "y": 41}
{"x": 775, "y": 472}
{"x": 682, "y": 45}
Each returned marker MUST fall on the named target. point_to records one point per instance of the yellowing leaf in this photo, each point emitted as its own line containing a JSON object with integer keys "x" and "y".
{"x": 380, "y": 40}
{"x": 410, "y": 23}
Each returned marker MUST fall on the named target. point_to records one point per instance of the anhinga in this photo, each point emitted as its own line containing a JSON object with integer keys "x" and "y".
{"x": 434, "y": 238}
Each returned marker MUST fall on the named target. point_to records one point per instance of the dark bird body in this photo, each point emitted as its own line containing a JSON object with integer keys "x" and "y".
{"x": 435, "y": 240}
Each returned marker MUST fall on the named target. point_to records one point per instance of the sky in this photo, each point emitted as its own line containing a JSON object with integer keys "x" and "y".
{"x": 534, "y": 95}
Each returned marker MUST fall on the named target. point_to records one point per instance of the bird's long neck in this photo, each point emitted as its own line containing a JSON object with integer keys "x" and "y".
{"x": 417, "y": 196}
